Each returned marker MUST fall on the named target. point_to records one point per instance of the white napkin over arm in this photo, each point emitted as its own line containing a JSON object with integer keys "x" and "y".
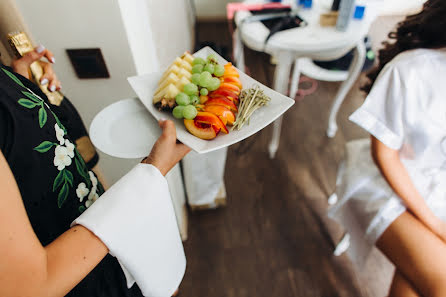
{"x": 135, "y": 219}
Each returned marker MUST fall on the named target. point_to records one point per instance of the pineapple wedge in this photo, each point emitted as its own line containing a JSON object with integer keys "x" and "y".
{"x": 168, "y": 94}
{"x": 172, "y": 81}
{"x": 188, "y": 58}
{"x": 172, "y": 78}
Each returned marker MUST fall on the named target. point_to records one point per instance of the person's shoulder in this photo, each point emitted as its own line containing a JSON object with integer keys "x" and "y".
{"x": 418, "y": 61}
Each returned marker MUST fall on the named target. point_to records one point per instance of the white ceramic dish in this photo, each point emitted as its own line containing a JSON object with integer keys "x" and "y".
{"x": 125, "y": 129}
{"x": 145, "y": 86}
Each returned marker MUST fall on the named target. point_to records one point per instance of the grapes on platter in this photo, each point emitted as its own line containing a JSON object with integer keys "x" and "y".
{"x": 182, "y": 99}
{"x": 212, "y": 58}
{"x": 204, "y": 92}
{"x": 194, "y": 99}
{"x": 190, "y": 89}
{"x": 197, "y": 68}
{"x": 219, "y": 70}
{"x": 197, "y": 61}
{"x": 178, "y": 112}
{"x": 189, "y": 112}
{"x": 195, "y": 78}
{"x": 209, "y": 68}
{"x": 214, "y": 84}
{"x": 205, "y": 79}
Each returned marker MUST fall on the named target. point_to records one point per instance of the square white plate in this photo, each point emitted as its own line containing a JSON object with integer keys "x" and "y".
{"x": 145, "y": 86}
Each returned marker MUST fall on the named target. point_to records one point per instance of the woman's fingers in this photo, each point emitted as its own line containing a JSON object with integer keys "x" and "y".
{"x": 169, "y": 132}
{"x": 49, "y": 77}
{"x": 49, "y": 56}
{"x": 22, "y": 65}
{"x": 166, "y": 152}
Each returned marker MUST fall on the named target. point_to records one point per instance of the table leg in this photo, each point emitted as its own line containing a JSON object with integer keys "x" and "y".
{"x": 354, "y": 71}
{"x": 281, "y": 80}
{"x": 295, "y": 79}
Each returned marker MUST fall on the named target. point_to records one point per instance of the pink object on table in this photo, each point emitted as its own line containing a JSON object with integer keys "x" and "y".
{"x": 231, "y": 8}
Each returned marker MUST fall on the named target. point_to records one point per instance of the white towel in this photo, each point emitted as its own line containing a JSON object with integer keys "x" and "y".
{"x": 136, "y": 221}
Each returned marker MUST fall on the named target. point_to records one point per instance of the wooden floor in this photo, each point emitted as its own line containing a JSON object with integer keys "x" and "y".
{"x": 274, "y": 238}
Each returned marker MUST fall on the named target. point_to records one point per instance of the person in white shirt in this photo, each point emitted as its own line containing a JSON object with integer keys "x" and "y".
{"x": 392, "y": 190}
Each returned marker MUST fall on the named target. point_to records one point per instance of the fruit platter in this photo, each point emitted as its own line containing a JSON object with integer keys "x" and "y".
{"x": 212, "y": 103}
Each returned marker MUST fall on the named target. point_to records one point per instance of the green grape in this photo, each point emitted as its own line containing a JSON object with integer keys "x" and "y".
{"x": 189, "y": 112}
{"x": 205, "y": 79}
{"x": 219, "y": 70}
{"x": 195, "y": 79}
{"x": 190, "y": 89}
{"x": 194, "y": 99}
{"x": 182, "y": 99}
{"x": 214, "y": 84}
{"x": 178, "y": 112}
{"x": 197, "y": 68}
{"x": 209, "y": 68}
{"x": 204, "y": 91}
{"x": 197, "y": 61}
{"x": 212, "y": 58}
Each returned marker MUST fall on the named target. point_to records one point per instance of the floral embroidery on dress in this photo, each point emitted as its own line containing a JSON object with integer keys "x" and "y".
{"x": 64, "y": 153}
{"x": 82, "y": 191}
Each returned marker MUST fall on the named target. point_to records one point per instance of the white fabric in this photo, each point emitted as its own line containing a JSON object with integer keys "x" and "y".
{"x": 203, "y": 176}
{"x": 136, "y": 221}
{"x": 406, "y": 110}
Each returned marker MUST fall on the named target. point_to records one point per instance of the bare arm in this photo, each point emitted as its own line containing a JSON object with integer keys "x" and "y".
{"x": 389, "y": 163}
{"x": 27, "y": 269}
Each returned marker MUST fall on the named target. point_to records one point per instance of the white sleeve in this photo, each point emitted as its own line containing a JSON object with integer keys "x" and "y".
{"x": 382, "y": 113}
{"x": 135, "y": 219}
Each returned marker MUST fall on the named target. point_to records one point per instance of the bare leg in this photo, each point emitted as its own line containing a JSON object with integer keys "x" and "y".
{"x": 418, "y": 254}
{"x": 401, "y": 287}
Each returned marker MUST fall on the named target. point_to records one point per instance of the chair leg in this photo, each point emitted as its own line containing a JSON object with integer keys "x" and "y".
{"x": 281, "y": 79}
{"x": 295, "y": 80}
{"x": 275, "y": 140}
{"x": 354, "y": 71}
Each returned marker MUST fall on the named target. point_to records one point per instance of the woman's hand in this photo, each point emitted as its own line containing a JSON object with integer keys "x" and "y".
{"x": 166, "y": 152}
{"x": 22, "y": 65}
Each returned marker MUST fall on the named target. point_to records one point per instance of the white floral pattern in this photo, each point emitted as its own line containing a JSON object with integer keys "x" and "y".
{"x": 65, "y": 153}
{"x": 82, "y": 191}
{"x": 62, "y": 154}
{"x": 93, "y": 195}
{"x": 61, "y": 158}
{"x": 59, "y": 134}
{"x": 94, "y": 180}
{"x": 70, "y": 148}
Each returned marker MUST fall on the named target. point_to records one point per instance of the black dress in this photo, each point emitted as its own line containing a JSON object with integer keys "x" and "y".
{"x": 55, "y": 182}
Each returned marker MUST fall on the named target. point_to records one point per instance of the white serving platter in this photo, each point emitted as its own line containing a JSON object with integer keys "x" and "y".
{"x": 145, "y": 86}
{"x": 125, "y": 129}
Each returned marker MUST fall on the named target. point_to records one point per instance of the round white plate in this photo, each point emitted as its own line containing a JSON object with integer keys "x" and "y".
{"x": 125, "y": 129}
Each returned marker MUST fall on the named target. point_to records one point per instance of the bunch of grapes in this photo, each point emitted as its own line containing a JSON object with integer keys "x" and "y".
{"x": 205, "y": 79}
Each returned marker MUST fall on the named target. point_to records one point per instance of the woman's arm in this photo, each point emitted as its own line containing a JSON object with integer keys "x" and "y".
{"x": 27, "y": 269}
{"x": 389, "y": 163}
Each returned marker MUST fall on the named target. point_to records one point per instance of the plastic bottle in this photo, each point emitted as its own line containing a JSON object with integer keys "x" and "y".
{"x": 346, "y": 10}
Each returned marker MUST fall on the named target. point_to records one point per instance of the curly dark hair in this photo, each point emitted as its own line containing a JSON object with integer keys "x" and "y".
{"x": 426, "y": 29}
